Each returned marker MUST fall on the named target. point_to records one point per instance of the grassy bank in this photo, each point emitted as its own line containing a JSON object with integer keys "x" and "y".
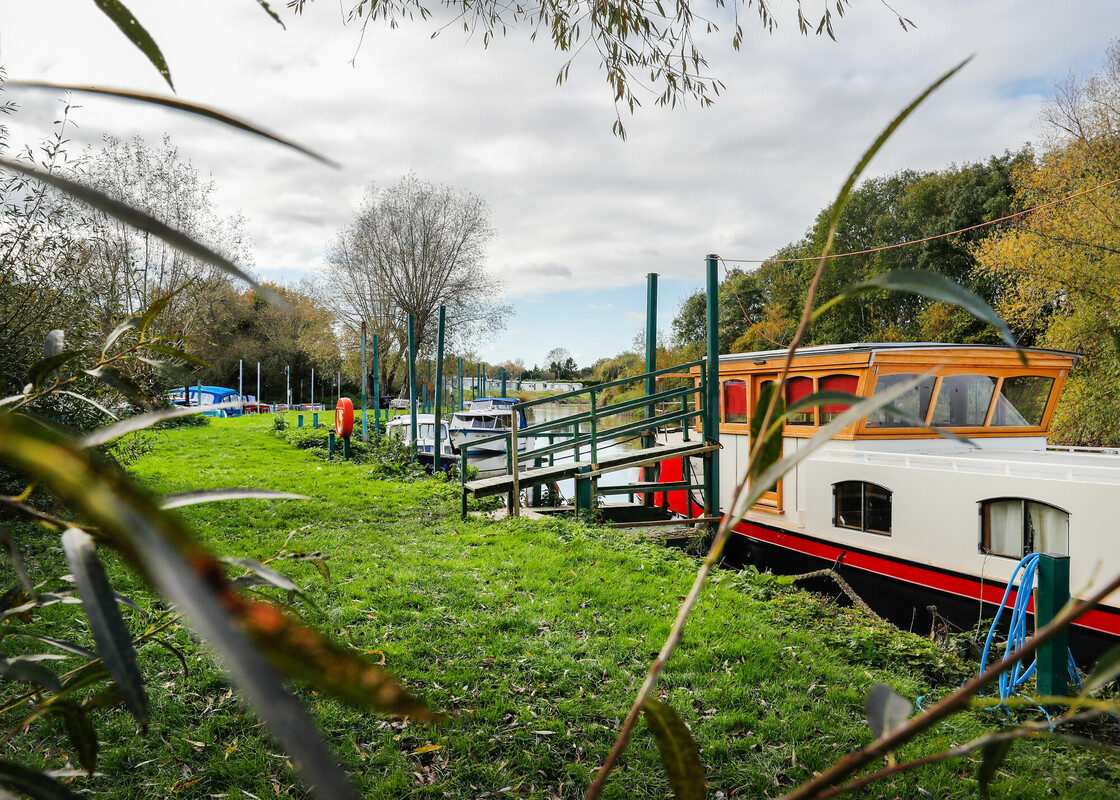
{"x": 532, "y": 637}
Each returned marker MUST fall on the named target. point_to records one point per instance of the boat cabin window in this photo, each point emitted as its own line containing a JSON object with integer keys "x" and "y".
{"x": 914, "y": 403}
{"x": 963, "y": 400}
{"x": 836, "y": 383}
{"x": 798, "y": 388}
{"x": 1015, "y": 527}
{"x": 861, "y": 506}
{"x": 1022, "y": 400}
{"x": 735, "y": 402}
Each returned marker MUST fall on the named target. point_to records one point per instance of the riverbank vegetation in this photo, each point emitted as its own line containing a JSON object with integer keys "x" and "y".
{"x": 530, "y": 637}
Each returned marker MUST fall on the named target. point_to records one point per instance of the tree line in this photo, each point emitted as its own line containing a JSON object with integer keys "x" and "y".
{"x": 1051, "y": 273}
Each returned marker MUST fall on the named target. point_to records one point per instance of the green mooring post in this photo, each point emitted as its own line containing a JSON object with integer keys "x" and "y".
{"x": 459, "y": 367}
{"x": 1049, "y": 600}
{"x": 315, "y": 420}
{"x": 365, "y": 380}
{"x": 346, "y": 447}
{"x": 299, "y": 420}
{"x": 330, "y": 444}
{"x": 648, "y": 439}
{"x": 711, "y": 464}
{"x": 583, "y": 491}
{"x": 413, "y": 431}
{"x": 376, "y": 390}
{"x": 437, "y": 399}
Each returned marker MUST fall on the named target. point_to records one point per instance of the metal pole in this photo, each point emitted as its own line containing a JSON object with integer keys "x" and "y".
{"x": 648, "y": 439}
{"x": 439, "y": 391}
{"x": 240, "y": 366}
{"x": 711, "y": 473}
{"x": 258, "y": 385}
{"x": 1052, "y": 595}
{"x": 459, "y": 366}
{"x": 412, "y": 380}
{"x": 313, "y": 388}
{"x": 503, "y": 381}
{"x": 376, "y": 389}
{"x": 365, "y": 424}
{"x": 288, "y": 385}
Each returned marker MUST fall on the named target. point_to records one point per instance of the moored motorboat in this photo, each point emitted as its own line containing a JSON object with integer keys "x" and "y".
{"x": 483, "y": 418}
{"x": 401, "y": 428}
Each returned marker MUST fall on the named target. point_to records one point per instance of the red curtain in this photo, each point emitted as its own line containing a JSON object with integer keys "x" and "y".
{"x": 735, "y": 401}
{"x": 838, "y": 383}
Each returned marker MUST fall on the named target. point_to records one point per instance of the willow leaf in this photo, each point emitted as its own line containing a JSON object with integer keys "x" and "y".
{"x": 43, "y": 368}
{"x": 137, "y": 422}
{"x": 168, "y": 368}
{"x": 180, "y": 105}
{"x": 145, "y": 222}
{"x": 1104, "y": 671}
{"x": 79, "y": 729}
{"x": 91, "y": 401}
{"x": 886, "y": 710}
{"x": 931, "y": 285}
{"x": 114, "y": 642}
{"x": 175, "y": 352}
{"x": 130, "y": 27}
{"x": 34, "y": 784}
{"x": 992, "y": 757}
{"x": 126, "y": 386}
{"x": 61, "y": 644}
{"x": 772, "y": 442}
{"x": 180, "y": 499}
{"x": 130, "y": 324}
{"x": 28, "y": 670}
{"x": 678, "y": 751}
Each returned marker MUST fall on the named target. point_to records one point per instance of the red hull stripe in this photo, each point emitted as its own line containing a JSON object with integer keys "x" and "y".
{"x": 1103, "y": 620}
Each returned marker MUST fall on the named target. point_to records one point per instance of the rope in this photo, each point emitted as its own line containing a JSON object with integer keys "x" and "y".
{"x": 927, "y": 238}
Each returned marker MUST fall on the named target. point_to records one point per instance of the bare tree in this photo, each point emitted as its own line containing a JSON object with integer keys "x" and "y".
{"x": 411, "y": 248}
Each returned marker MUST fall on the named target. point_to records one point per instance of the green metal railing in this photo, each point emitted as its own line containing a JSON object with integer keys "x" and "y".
{"x": 584, "y": 431}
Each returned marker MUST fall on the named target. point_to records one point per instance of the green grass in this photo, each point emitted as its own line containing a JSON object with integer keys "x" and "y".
{"x": 532, "y": 637}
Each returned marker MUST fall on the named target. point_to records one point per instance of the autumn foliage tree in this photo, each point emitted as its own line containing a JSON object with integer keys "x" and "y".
{"x": 1058, "y": 267}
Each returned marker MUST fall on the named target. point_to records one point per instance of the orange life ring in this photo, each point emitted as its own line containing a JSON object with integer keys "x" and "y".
{"x": 344, "y": 417}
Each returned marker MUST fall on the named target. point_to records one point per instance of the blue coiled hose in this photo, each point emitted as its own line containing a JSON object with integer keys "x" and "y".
{"x": 1012, "y": 679}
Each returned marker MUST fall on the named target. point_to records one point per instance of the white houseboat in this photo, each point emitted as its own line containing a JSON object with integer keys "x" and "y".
{"x": 920, "y": 518}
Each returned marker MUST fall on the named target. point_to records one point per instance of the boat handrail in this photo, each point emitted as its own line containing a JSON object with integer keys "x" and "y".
{"x": 957, "y": 461}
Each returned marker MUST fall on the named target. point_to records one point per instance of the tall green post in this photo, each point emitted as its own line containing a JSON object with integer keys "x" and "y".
{"x": 459, "y": 365}
{"x": 365, "y": 425}
{"x": 711, "y": 473}
{"x": 376, "y": 388}
{"x": 438, "y": 399}
{"x": 412, "y": 381}
{"x": 648, "y": 439}
{"x": 1052, "y": 595}
{"x": 503, "y": 381}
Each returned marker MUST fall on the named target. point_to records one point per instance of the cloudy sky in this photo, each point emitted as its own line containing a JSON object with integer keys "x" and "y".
{"x": 581, "y": 215}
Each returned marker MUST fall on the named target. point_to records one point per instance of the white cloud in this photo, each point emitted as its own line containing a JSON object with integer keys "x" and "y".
{"x": 574, "y": 207}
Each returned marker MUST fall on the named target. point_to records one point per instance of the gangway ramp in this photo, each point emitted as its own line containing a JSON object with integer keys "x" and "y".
{"x": 504, "y": 484}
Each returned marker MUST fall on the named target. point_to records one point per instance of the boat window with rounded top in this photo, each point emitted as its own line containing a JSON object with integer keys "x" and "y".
{"x": 1022, "y": 400}
{"x": 798, "y": 388}
{"x": 836, "y": 383}
{"x": 914, "y": 403}
{"x": 861, "y": 506}
{"x": 1015, "y": 527}
{"x": 963, "y": 400}
{"x": 735, "y": 401}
